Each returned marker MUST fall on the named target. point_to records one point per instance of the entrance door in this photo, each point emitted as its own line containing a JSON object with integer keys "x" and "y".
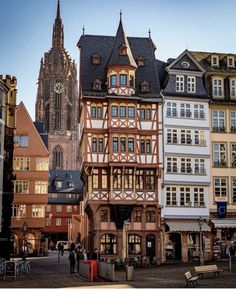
{"x": 174, "y": 249}
{"x": 151, "y": 246}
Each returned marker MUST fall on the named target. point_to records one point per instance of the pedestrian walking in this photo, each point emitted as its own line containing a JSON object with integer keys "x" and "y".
{"x": 72, "y": 261}
{"x": 85, "y": 255}
{"x": 62, "y": 249}
{"x": 79, "y": 256}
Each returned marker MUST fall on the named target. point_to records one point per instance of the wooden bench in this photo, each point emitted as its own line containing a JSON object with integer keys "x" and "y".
{"x": 190, "y": 280}
{"x": 200, "y": 270}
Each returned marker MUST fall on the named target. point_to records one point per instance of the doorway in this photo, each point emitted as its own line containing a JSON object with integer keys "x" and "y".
{"x": 151, "y": 246}
{"x": 173, "y": 247}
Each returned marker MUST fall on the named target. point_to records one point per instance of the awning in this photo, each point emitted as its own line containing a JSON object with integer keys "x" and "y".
{"x": 187, "y": 225}
{"x": 224, "y": 223}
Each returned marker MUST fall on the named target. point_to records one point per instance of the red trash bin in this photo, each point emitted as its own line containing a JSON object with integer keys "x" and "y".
{"x": 94, "y": 269}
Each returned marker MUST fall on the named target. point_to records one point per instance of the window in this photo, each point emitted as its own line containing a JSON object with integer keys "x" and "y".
{"x": 48, "y": 222}
{"x": 185, "y": 64}
{"x": 57, "y": 157}
{"x": 172, "y": 136}
{"x": 113, "y": 80}
{"x": 108, "y": 244}
{"x": 123, "y": 49}
{"x": 95, "y": 178}
{"x": 218, "y": 121}
{"x": 199, "y": 197}
{"x": 219, "y": 155}
{"x": 104, "y": 215}
{"x": 139, "y": 179}
{"x": 172, "y": 165}
{"x": 117, "y": 176}
{"x": 233, "y": 190}
{"x": 122, "y": 111}
{"x": 58, "y": 222}
{"x": 21, "y": 140}
{"x": 232, "y": 83}
{"x": 220, "y": 187}
{"x": 199, "y": 111}
{"x": 230, "y": 62}
{"x": 68, "y": 208}
{"x": 38, "y": 211}
{"x": 100, "y": 145}
{"x": 94, "y": 145}
{"x": 145, "y": 146}
{"x": 145, "y": 113}
{"x": 179, "y": 83}
{"x": 148, "y": 113}
{"x": 186, "y": 166}
{"x": 134, "y": 244}
{"x": 123, "y": 144}
{"x": 96, "y": 112}
{"x": 130, "y": 144}
{"x": 145, "y": 86}
{"x": 104, "y": 179}
{"x": 114, "y": 111}
{"x": 68, "y": 221}
{"x": 199, "y": 137}
{"x": 150, "y": 217}
{"x": 214, "y": 60}
{"x": 191, "y": 84}
{"x": 185, "y": 196}
{"x": 233, "y": 155}
{"x": 233, "y": 121}
{"x": 48, "y": 208}
{"x": 128, "y": 178}
{"x": 96, "y": 59}
{"x": 21, "y": 187}
{"x": 141, "y": 61}
{"x": 21, "y": 164}
{"x": 19, "y": 211}
{"x": 58, "y": 208}
{"x": 131, "y": 80}
{"x": 99, "y": 112}
{"x": 131, "y": 112}
{"x": 42, "y": 164}
{"x": 137, "y": 216}
{"x": 199, "y": 166}
{"x": 150, "y": 181}
{"x": 185, "y": 110}
{"x": 115, "y": 144}
{"x": 93, "y": 111}
{"x": 171, "y": 199}
{"x": 97, "y": 84}
{"x": 41, "y": 187}
{"x": 123, "y": 79}
{"x": 171, "y": 109}
{"x": 217, "y": 87}
{"x": 185, "y": 136}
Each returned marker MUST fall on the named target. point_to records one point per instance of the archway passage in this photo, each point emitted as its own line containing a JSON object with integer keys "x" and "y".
{"x": 173, "y": 247}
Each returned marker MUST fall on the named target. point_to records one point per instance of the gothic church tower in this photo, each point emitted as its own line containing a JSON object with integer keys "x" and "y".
{"x": 57, "y": 101}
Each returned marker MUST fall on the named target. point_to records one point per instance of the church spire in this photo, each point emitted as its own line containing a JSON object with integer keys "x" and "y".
{"x": 58, "y": 30}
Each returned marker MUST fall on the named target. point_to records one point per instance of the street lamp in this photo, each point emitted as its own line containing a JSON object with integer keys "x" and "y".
{"x": 126, "y": 228}
{"x": 24, "y": 229}
{"x": 200, "y": 223}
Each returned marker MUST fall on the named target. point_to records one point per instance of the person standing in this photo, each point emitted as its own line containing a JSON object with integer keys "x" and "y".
{"x": 72, "y": 261}
{"x": 79, "y": 256}
{"x": 85, "y": 255}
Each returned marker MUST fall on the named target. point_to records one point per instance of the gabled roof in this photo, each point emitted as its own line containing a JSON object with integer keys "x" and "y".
{"x": 121, "y": 40}
{"x": 186, "y": 56}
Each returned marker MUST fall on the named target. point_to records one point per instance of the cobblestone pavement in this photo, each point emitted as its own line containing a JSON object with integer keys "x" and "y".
{"x": 47, "y": 272}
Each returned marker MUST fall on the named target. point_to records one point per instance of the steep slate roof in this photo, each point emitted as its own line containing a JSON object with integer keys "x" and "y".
{"x": 204, "y": 58}
{"x": 105, "y": 47}
{"x": 120, "y": 40}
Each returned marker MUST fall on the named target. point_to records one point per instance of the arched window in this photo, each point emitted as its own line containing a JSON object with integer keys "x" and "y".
{"x": 134, "y": 242}
{"x": 57, "y": 158}
{"x": 108, "y": 244}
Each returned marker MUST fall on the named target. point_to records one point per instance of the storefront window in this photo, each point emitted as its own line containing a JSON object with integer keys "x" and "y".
{"x": 134, "y": 242}
{"x": 108, "y": 244}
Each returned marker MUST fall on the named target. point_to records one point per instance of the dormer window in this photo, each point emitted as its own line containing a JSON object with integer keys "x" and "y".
{"x": 123, "y": 79}
{"x": 96, "y": 59}
{"x": 141, "y": 61}
{"x": 230, "y": 62}
{"x": 97, "y": 84}
{"x": 123, "y": 49}
{"x": 145, "y": 86}
{"x": 215, "y": 60}
{"x": 113, "y": 80}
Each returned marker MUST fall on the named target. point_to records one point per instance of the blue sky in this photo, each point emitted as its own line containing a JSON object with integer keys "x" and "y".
{"x": 26, "y": 30}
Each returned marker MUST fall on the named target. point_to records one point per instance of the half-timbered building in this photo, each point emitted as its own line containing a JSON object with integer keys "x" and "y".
{"x": 119, "y": 143}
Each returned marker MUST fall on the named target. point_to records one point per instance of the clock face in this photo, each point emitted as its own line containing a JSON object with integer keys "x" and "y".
{"x": 58, "y": 87}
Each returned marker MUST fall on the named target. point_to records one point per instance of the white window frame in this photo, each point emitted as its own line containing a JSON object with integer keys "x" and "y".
{"x": 232, "y": 85}
{"x": 214, "y": 60}
{"x": 172, "y": 165}
{"x": 171, "y": 109}
{"x": 172, "y": 136}
{"x": 221, "y": 187}
{"x": 191, "y": 84}
{"x": 199, "y": 197}
{"x": 233, "y": 121}
{"x": 230, "y": 59}
{"x": 179, "y": 83}
{"x": 219, "y": 155}
{"x": 185, "y": 110}
{"x": 171, "y": 196}
{"x": 68, "y": 208}
{"x": 42, "y": 164}
{"x": 21, "y": 187}
{"x": 58, "y": 208}
{"x": 233, "y": 196}
{"x": 217, "y": 86}
{"x": 185, "y": 166}
{"x": 218, "y": 120}
{"x": 18, "y": 210}
{"x": 233, "y": 155}
{"x": 199, "y": 111}
{"x": 199, "y": 138}
{"x": 185, "y": 197}
{"x": 185, "y": 136}
{"x": 199, "y": 166}
{"x": 38, "y": 211}
{"x": 58, "y": 222}
{"x": 41, "y": 187}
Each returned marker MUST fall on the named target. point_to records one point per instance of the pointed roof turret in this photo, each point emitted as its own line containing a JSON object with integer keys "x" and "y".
{"x": 121, "y": 53}
{"x": 58, "y": 30}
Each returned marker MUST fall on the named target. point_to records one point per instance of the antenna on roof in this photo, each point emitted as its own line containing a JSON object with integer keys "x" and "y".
{"x": 83, "y": 30}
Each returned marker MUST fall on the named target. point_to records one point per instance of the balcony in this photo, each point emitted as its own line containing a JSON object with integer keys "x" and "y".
{"x": 218, "y": 129}
{"x": 221, "y": 164}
